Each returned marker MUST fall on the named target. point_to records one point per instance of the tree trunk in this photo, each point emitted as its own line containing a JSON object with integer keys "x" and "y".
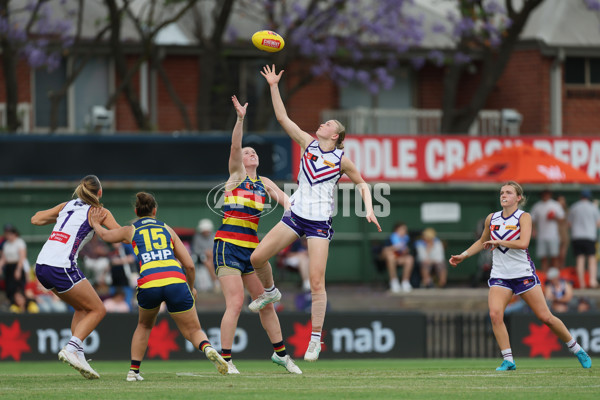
{"x": 9, "y": 66}
{"x": 121, "y": 68}
{"x": 209, "y": 61}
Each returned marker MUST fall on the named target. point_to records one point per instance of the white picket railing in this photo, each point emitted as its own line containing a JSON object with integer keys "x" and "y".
{"x": 24, "y": 113}
{"x": 379, "y": 121}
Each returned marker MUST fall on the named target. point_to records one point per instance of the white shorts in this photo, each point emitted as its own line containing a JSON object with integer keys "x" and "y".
{"x": 547, "y": 247}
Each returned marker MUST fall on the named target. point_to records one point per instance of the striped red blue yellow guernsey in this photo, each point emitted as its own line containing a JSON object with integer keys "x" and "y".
{"x": 153, "y": 246}
{"x": 242, "y": 208}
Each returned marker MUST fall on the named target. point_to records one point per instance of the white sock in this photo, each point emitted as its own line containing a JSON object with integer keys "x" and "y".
{"x": 315, "y": 337}
{"x": 573, "y": 346}
{"x": 269, "y": 290}
{"x": 507, "y": 355}
{"x": 75, "y": 345}
{"x": 306, "y": 286}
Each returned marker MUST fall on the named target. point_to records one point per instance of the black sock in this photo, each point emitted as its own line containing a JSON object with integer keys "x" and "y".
{"x": 203, "y": 345}
{"x": 135, "y": 366}
{"x": 279, "y": 348}
{"x": 226, "y": 354}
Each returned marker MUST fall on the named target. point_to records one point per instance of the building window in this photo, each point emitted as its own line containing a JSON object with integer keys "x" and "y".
{"x": 582, "y": 71}
{"x": 46, "y": 82}
{"x": 90, "y": 88}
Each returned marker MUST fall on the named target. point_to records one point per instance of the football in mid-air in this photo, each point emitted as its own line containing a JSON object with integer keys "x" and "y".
{"x": 268, "y": 41}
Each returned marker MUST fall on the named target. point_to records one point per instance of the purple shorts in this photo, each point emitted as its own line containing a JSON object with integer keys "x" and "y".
{"x": 518, "y": 285}
{"x": 61, "y": 279}
{"x": 312, "y": 229}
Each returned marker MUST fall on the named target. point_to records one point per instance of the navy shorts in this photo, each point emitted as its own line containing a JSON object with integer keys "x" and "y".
{"x": 518, "y": 285}
{"x": 229, "y": 255}
{"x": 310, "y": 228}
{"x": 59, "y": 278}
{"x": 177, "y": 296}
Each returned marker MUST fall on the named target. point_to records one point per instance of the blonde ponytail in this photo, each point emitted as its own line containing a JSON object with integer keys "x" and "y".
{"x": 342, "y": 134}
{"x": 88, "y": 190}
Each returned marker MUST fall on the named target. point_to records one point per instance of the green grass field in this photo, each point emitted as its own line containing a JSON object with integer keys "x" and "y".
{"x": 340, "y": 379}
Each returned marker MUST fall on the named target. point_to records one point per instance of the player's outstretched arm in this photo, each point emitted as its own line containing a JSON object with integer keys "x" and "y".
{"x": 48, "y": 216}
{"x": 97, "y": 217}
{"x": 236, "y": 165}
{"x": 475, "y": 247}
{"x": 290, "y": 127}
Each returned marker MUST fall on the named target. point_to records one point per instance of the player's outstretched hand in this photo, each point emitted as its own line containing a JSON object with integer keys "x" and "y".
{"x": 239, "y": 109}
{"x": 372, "y": 218}
{"x": 270, "y": 75}
{"x": 457, "y": 259}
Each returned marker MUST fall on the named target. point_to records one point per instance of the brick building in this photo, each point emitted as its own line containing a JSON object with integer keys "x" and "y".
{"x": 552, "y": 80}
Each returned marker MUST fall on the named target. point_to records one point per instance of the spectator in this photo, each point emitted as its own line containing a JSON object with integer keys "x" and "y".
{"x": 558, "y": 291}
{"x": 23, "y": 304}
{"x": 546, "y": 215}
{"x": 202, "y": 246}
{"x": 46, "y": 300}
{"x": 584, "y": 220}
{"x": 295, "y": 257}
{"x": 14, "y": 262}
{"x": 97, "y": 262}
{"x": 398, "y": 253}
{"x": 584, "y": 304}
{"x": 431, "y": 257}
{"x": 117, "y": 303}
{"x": 123, "y": 270}
{"x": 563, "y": 233}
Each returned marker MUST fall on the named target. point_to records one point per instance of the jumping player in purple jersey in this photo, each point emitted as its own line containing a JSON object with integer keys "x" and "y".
{"x": 507, "y": 234}
{"x": 322, "y": 165}
{"x": 56, "y": 266}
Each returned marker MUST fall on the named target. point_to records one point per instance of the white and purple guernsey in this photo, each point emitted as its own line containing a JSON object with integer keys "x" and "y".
{"x": 70, "y": 233}
{"x": 509, "y": 263}
{"x": 319, "y": 172}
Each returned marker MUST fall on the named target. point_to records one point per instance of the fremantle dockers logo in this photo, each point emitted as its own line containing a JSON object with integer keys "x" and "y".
{"x": 249, "y": 196}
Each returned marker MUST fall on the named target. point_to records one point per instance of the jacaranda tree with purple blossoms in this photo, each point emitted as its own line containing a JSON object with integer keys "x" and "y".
{"x": 364, "y": 41}
{"x": 33, "y": 34}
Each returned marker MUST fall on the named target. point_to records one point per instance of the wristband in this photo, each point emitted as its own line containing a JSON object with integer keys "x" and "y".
{"x": 465, "y": 253}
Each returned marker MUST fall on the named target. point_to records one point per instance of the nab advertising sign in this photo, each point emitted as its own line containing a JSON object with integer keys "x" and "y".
{"x": 346, "y": 335}
{"x": 530, "y": 337}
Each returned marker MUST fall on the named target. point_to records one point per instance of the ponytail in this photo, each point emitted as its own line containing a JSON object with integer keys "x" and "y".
{"x": 342, "y": 134}
{"x": 88, "y": 190}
